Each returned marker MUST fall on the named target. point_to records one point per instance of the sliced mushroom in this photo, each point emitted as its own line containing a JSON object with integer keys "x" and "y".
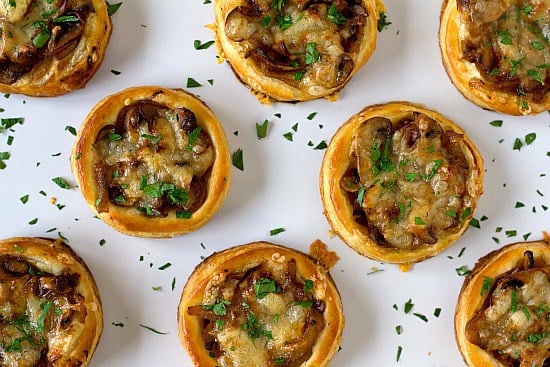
{"x": 371, "y": 134}
{"x": 187, "y": 119}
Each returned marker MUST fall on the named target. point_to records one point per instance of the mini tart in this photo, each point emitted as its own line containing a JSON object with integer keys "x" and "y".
{"x": 400, "y": 183}
{"x": 152, "y": 162}
{"x": 294, "y": 50}
{"x": 49, "y": 48}
{"x": 50, "y": 310}
{"x": 262, "y": 304}
{"x": 507, "y": 70}
{"x": 506, "y": 293}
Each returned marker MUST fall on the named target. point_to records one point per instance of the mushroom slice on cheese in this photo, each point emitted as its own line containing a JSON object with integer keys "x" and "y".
{"x": 293, "y": 50}
{"x": 51, "y": 47}
{"x": 262, "y": 304}
{"x": 50, "y": 310}
{"x": 152, "y": 162}
{"x": 400, "y": 183}
{"x": 503, "y": 313}
{"x": 496, "y": 52}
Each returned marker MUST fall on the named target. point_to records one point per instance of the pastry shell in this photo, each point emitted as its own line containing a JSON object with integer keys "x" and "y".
{"x": 267, "y": 87}
{"x": 338, "y": 209}
{"x": 236, "y": 259}
{"x": 54, "y": 77}
{"x": 465, "y": 76}
{"x": 55, "y": 257}
{"x": 128, "y": 220}
{"x": 493, "y": 265}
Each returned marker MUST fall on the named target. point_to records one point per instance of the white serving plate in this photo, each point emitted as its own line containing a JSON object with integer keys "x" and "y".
{"x": 152, "y": 44}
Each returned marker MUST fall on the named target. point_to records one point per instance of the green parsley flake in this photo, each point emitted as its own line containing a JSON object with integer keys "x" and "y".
{"x": 335, "y": 16}
{"x": 70, "y": 129}
{"x": 408, "y": 306}
{"x": 152, "y": 329}
{"x": 165, "y": 266}
{"x": 311, "y": 55}
{"x": 61, "y": 183}
{"x": 192, "y": 83}
{"x": 486, "y": 285}
{"x": 264, "y": 286}
{"x": 113, "y": 8}
{"x": 237, "y": 159}
{"x": 261, "y": 129}
{"x": 276, "y": 231}
{"x": 463, "y": 270}
{"x": 382, "y": 22}
{"x": 202, "y": 46}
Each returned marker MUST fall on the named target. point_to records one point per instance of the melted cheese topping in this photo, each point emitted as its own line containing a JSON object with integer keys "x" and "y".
{"x": 302, "y": 44}
{"x": 509, "y": 43}
{"x": 515, "y": 323}
{"x": 153, "y": 163}
{"x": 34, "y": 29}
{"x": 269, "y": 317}
{"x": 40, "y": 319}
{"x": 407, "y": 183}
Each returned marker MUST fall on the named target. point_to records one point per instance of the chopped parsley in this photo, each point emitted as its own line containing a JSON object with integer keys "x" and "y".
{"x": 335, "y": 16}
{"x": 192, "y": 83}
{"x": 399, "y": 351}
{"x": 283, "y": 21}
{"x": 261, "y": 129}
{"x": 61, "y": 183}
{"x": 312, "y": 55}
{"x": 264, "y": 286}
{"x": 113, "y": 8}
{"x": 218, "y": 308}
{"x": 421, "y": 316}
{"x": 382, "y": 22}
{"x": 276, "y": 231}
{"x": 152, "y": 329}
{"x": 408, "y": 306}
{"x": 202, "y": 46}
{"x": 322, "y": 145}
{"x": 237, "y": 159}
{"x": 70, "y": 129}
{"x": 496, "y": 123}
{"x": 486, "y": 285}
{"x": 463, "y": 271}
{"x": 165, "y": 266}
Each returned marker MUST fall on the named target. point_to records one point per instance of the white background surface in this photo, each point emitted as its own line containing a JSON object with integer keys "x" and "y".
{"x": 152, "y": 43}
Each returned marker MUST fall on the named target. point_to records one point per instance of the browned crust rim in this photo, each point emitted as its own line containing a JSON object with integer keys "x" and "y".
{"x": 462, "y": 72}
{"x": 337, "y": 208}
{"x": 470, "y": 300}
{"x": 123, "y": 219}
{"x": 269, "y": 88}
{"x": 54, "y": 256}
{"x": 235, "y": 259}
{"x": 52, "y": 77}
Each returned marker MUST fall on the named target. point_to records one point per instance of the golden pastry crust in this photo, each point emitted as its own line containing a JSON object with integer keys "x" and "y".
{"x": 177, "y": 173}
{"x": 405, "y": 216}
{"x": 288, "y": 270}
{"x": 47, "y": 291}
{"x": 478, "y": 88}
{"x": 490, "y": 275}
{"x": 265, "y": 45}
{"x": 79, "y": 32}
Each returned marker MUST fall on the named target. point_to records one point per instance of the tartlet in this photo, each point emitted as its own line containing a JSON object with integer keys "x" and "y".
{"x": 399, "y": 183}
{"x": 291, "y": 50}
{"x": 262, "y": 304}
{"x": 50, "y": 309}
{"x": 49, "y": 48}
{"x": 152, "y": 162}
{"x": 503, "y": 313}
{"x": 496, "y": 53}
